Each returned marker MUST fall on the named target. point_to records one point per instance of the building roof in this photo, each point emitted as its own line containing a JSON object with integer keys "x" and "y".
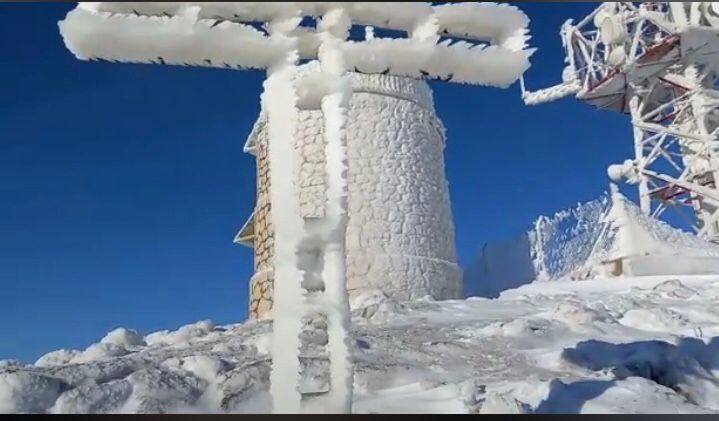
{"x": 251, "y": 142}
{"x": 246, "y": 235}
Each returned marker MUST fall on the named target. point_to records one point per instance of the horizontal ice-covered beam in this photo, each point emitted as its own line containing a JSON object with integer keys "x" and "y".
{"x": 180, "y": 39}
{"x": 499, "y": 24}
{"x": 460, "y": 62}
{"x": 192, "y": 34}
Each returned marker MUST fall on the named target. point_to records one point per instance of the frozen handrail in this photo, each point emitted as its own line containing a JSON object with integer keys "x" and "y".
{"x": 550, "y": 94}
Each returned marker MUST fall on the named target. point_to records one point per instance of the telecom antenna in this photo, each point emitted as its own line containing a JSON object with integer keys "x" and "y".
{"x": 658, "y": 63}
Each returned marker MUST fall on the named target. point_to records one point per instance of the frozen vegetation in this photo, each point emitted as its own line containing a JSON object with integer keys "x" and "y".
{"x": 648, "y": 344}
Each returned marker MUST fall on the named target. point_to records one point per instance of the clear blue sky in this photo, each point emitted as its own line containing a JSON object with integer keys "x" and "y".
{"x": 122, "y": 185}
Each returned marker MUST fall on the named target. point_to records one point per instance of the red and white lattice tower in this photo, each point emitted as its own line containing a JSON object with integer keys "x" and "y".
{"x": 657, "y": 62}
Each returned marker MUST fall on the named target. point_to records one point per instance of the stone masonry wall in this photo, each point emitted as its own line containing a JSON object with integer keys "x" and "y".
{"x": 400, "y": 234}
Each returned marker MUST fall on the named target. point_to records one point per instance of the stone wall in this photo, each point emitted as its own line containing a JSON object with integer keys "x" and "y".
{"x": 400, "y": 234}
{"x": 261, "y": 282}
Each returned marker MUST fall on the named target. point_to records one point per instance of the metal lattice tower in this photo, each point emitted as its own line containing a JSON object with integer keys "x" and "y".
{"x": 657, "y": 62}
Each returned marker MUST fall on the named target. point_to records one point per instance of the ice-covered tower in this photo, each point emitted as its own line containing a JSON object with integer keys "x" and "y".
{"x": 400, "y": 234}
{"x": 658, "y": 62}
{"x": 350, "y": 166}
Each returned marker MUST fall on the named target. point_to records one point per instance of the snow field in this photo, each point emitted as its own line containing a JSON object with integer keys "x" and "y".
{"x": 565, "y": 346}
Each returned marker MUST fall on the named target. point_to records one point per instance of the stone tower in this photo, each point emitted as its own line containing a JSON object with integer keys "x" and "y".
{"x": 400, "y": 233}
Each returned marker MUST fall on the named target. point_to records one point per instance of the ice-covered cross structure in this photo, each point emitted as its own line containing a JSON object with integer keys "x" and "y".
{"x": 657, "y": 62}
{"x": 473, "y": 43}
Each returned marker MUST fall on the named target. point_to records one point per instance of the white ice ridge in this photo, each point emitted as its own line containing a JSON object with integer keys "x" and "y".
{"x": 213, "y": 35}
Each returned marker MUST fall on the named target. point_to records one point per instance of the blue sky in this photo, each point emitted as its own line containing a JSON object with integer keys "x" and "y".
{"x": 122, "y": 185}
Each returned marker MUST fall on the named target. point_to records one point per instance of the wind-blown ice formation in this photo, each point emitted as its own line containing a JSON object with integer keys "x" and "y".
{"x": 608, "y": 237}
{"x": 612, "y": 237}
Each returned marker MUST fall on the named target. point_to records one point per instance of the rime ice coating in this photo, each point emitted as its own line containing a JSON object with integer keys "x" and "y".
{"x": 212, "y": 35}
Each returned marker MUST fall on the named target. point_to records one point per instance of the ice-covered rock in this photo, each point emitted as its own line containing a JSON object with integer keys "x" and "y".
{"x": 655, "y": 319}
{"x": 99, "y": 351}
{"x": 499, "y": 403}
{"x": 25, "y": 391}
{"x": 182, "y": 335}
{"x": 373, "y": 305}
{"x": 126, "y": 338}
{"x": 674, "y": 288}
{"x": 93, "y": 398}
{"x": 59, "y": 357}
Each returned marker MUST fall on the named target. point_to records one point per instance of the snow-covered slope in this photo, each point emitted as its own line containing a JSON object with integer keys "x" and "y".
{"x": 623, "y": 345}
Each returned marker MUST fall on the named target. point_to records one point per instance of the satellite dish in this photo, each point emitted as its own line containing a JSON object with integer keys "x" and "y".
{"x": 616, "y": 172}
{"x": 599, "y": 17}
{"x": 612, "y": 30}
{"x": 617, "y": 56}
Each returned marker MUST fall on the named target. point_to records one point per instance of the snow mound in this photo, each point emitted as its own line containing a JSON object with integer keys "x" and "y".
{"x": 373, "y": 305}
{"x": 100, "y": 351}
{"x": 182, "y": 335}
{"x": 648, "y": 344}
{"x": 59, "y": 357}
{"x": 123, "y": 337}
{"x": 674, "y": 288}
{"x": 23, "y": 391}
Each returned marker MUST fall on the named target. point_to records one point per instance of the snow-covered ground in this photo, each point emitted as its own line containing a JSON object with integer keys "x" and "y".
{"x": 622, "y": 345}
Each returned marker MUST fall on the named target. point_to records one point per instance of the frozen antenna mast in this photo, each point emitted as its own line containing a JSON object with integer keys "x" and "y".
{"x": 658, "y": 62}
{"x": 474, "y": 43}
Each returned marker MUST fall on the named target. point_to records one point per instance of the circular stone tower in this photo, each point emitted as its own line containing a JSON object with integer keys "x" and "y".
{"x": 400, "y": 233}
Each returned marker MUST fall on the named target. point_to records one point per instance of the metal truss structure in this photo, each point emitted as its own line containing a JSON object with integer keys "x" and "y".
{"x": 657, "y": 62}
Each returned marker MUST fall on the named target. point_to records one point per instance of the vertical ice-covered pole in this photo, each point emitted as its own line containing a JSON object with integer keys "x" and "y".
{"x": 333, "y": 30}
{"x": 279, "y": 101}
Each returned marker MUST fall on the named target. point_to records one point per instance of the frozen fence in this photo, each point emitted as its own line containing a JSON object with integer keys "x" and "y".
{"x": 608, "y": 236}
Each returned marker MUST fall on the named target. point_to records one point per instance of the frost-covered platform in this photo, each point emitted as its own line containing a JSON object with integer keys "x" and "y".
{"x": 633, "y": 345}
